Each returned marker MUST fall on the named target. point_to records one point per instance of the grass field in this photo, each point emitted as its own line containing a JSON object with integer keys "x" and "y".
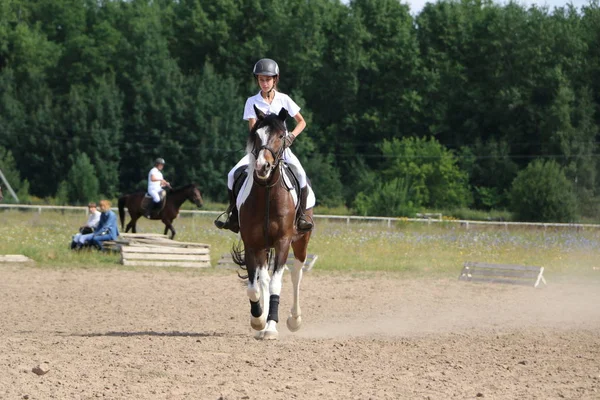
{"x": 413, "y": 249}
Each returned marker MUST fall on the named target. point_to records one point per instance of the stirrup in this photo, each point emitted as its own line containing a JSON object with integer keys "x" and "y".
{"x": 222, "y": 224}
{"x": 308, "y": 225}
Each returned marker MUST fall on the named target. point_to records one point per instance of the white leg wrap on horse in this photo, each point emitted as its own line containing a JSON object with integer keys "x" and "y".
{"x": 257, "y": 323}
{"x": 276, "y": 281}
{"x": 263, "y": 286}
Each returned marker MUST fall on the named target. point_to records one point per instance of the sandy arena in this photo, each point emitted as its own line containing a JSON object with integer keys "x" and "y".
{"x": 156, "y": 334}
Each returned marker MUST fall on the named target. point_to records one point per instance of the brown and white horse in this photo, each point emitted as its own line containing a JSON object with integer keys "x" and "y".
{"x": 267, "y": 214}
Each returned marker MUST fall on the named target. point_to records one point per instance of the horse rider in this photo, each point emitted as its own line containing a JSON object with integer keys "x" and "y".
{"x": 156, "y": 183}
{"x": 269, "y": 100}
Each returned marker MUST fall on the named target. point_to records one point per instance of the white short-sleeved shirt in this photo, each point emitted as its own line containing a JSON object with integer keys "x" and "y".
{"x": 154, "y": 186}
{"x": 280, "y": 101}
{"x": 93, "y": 219}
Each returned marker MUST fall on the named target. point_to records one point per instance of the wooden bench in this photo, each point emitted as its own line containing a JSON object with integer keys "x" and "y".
{"x": 502, "y": 273}
{"x": 226, "y": 261}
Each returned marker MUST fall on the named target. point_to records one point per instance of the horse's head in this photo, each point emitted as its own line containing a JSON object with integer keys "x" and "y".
{"x": 195, "y": 196}
{"x": 266, "y": 144}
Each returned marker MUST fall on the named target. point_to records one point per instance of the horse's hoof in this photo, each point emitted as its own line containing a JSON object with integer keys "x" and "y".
{"x": 294, "y": 324}
{"x": 258, "y": 324}
{"x": 259, "y": 335}
{"x": 271, "y": 335}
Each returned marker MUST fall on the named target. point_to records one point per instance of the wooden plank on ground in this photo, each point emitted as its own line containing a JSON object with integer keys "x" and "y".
{"x": 185, "y": 264}
{"x": 163, "y": 256}
{"x": 165, "y": 250}
{"x": 188, "y": 244}
{"x": 167, "y": 243}
{"x": 14, "y": 258}
{"x": 143, "y": 235}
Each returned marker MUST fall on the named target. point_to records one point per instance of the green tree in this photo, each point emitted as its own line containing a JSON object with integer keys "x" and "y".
{"x": 492, "y": 173}
{"x": 82, "y": 182}
{"x": 390, "y": 198}
{"x": 432, "y": 170}
{"x": 11, "y": 173}
{"x": 542, "y": 193}
{"x": 214, "y": 138}
{"x": 388, "y": 103}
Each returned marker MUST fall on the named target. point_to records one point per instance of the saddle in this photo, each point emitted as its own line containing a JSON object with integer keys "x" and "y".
{"x": 289, "y": 178}
{"x": 147, "y": 202}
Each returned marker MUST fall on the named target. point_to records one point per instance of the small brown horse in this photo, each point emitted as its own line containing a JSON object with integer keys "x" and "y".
{"x": 175, "y": 198}
{"x": 267, "y": 215}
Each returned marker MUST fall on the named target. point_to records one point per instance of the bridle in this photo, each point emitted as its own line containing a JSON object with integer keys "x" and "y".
{"x": 197, "y": 198}
{"x": 277, "y": 157}
{"x": 269, "y": 183}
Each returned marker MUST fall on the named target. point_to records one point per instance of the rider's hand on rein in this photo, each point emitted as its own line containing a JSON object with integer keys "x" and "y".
{"x": 289, "y": 139}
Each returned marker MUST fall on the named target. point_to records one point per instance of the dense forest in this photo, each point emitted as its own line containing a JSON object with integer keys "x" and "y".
{"x": 467, "y": 104}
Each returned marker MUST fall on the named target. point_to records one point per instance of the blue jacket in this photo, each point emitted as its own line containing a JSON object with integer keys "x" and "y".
{"x": 107, "y": 226}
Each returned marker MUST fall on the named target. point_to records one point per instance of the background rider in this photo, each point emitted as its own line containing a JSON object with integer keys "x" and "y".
{"x": 156, "y": 183}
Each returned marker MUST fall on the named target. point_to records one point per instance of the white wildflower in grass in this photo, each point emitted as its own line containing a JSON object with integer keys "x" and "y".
{"x": 411, "y": 248}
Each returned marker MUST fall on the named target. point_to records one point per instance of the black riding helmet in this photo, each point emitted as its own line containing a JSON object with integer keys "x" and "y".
{"x": 266, "y": 66}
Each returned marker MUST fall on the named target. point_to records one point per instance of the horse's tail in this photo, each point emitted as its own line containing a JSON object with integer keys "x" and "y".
{"x": 237, "y": 255}
{"x": 122, "y": 201}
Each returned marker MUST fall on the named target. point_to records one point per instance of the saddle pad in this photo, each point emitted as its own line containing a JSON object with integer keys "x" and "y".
{"x": 247, "y": 186}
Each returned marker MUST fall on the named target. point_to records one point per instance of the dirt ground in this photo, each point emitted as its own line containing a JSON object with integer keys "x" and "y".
{"x": 157, "y": 334}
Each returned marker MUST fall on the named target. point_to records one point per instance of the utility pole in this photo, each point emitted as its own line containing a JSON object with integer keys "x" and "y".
{"x": 10, "y": 189}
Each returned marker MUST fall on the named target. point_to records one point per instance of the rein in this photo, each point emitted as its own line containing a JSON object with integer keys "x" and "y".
{"x": 270, "y": 183}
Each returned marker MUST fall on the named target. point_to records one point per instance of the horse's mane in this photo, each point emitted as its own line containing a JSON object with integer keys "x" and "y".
{"x": 183, "y": 188}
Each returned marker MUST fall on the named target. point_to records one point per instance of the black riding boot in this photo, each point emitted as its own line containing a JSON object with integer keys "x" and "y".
{"x": 231, "y": 222}
{"x": 151, "y": 207}
{"x": 302, "y": 223}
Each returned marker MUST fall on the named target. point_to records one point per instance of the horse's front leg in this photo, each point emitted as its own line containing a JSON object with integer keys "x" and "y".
{"x": 169, "y": 227}
{"x": 281, "y": 254}
{"x": 257, "y": 274}
{"x": 264, "y": 280}
{"x": 131, "y": 224}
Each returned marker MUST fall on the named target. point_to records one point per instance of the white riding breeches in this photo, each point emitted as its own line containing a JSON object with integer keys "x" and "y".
{"x": 288, "y": 157}
{"x": 292, "y": 160}
{"x": 155, "y": 195}
{"x": 244, "y": 161}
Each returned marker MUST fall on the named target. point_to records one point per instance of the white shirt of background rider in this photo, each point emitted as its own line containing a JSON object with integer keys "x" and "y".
{"x": 155, "y": 178}
{"x": 280, "y": 101}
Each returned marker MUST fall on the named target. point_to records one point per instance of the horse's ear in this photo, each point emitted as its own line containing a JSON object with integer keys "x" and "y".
{"x": 283, "y": 114}
{"x": 259, "y": 114}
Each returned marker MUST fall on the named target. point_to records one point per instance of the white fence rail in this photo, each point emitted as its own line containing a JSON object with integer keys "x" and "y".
{"x": 427, "y": 218}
